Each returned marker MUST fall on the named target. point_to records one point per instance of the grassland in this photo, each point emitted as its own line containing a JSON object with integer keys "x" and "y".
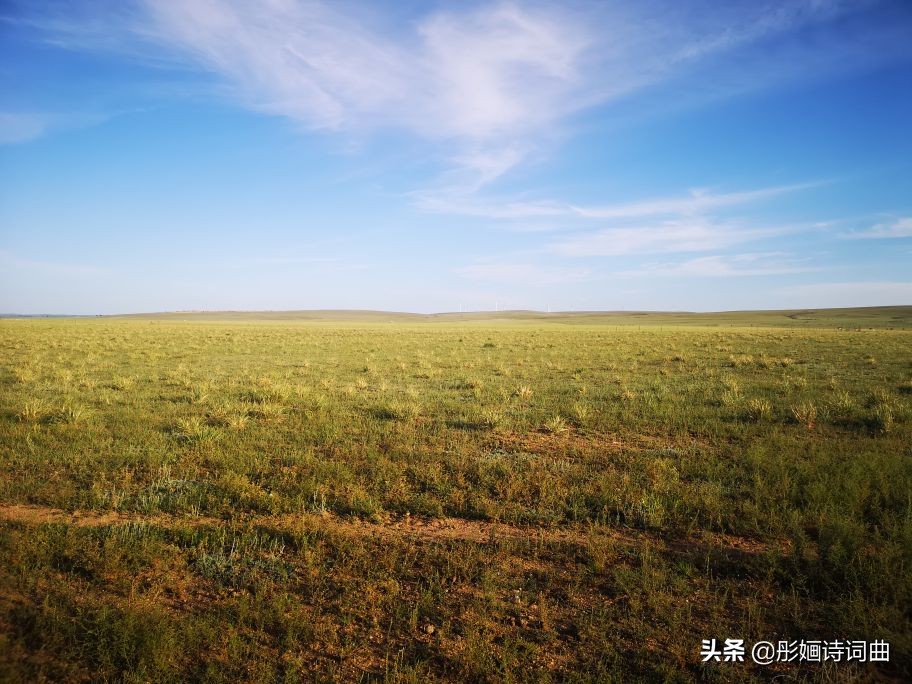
{"x": 393, "y": 498}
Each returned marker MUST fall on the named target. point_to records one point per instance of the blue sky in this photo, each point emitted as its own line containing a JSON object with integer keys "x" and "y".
{"x": 430, "y": 156}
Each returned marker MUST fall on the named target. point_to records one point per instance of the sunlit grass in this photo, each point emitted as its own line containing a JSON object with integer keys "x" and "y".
{"x": 792, "y": 442}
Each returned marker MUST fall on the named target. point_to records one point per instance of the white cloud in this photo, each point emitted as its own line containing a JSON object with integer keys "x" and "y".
{"x": 301, "y": 60}
{"x": 471, "y": 170}
{"x": 502, "y": 68}
{"x": 900, "y": 228}
{"x": 459, "y": 201}
{"x": 460, "y": 69}
{"x": 478, "y": 74}
{"x": 679, "y": 235}
{"x": 21, "y": 127}
{"x": 481, "y": 80}
{"x": 696, "y": 202}
{"x": 492, "y": 80}
{"x": 39, "y": 268}
{"x": 721, "y": 266}
{"x": 489, "y": 84}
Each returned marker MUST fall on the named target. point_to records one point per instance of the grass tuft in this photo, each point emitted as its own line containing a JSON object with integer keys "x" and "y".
{"x": 556, "y": 425}
{"x": 758, "y": 409}
{"x": 805, "y": 414}
{"x": 523, "y": 393}
{"x": 196, "y": 430}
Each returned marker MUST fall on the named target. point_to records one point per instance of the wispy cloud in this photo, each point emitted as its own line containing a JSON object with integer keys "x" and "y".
{"x": 462, "y": 203}
{"x": 22, "y": 127}
{"x": 35, "y": 267}
{"x": 692, "y": 223}
{"x": 478, "y": 81}
{"x": 900, "y": 228}
{"x": 679, "y": 235}
{"x": 473, "y": 74}
{"x": 487, "y": 82}
{"x": 728, "y": 266}
{"x": 697, "y": 201}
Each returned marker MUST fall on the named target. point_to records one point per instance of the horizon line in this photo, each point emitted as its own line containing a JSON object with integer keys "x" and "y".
{"x": 447, "y": 313}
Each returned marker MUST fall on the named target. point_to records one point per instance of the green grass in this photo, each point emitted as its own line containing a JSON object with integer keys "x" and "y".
{"x": 265, "y": 494}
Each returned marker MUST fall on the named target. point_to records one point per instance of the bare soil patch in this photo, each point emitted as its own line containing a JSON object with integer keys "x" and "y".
{"x": 431, "y": 529}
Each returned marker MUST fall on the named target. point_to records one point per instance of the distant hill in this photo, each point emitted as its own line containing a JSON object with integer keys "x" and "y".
{"x": 899, "y": 317}
{"x": 856, "y": 317}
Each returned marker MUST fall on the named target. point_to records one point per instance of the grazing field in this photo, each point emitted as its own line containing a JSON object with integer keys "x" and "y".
{"x": 458, "y": 498}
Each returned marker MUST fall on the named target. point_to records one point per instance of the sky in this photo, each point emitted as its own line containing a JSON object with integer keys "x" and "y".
{"x": 174, "y": 155}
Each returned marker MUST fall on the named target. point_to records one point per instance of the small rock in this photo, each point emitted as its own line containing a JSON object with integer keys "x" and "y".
{"x": 429, "y": 629}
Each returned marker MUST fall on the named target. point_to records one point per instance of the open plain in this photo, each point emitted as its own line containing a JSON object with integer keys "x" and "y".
{"x": 499, "y": 497}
